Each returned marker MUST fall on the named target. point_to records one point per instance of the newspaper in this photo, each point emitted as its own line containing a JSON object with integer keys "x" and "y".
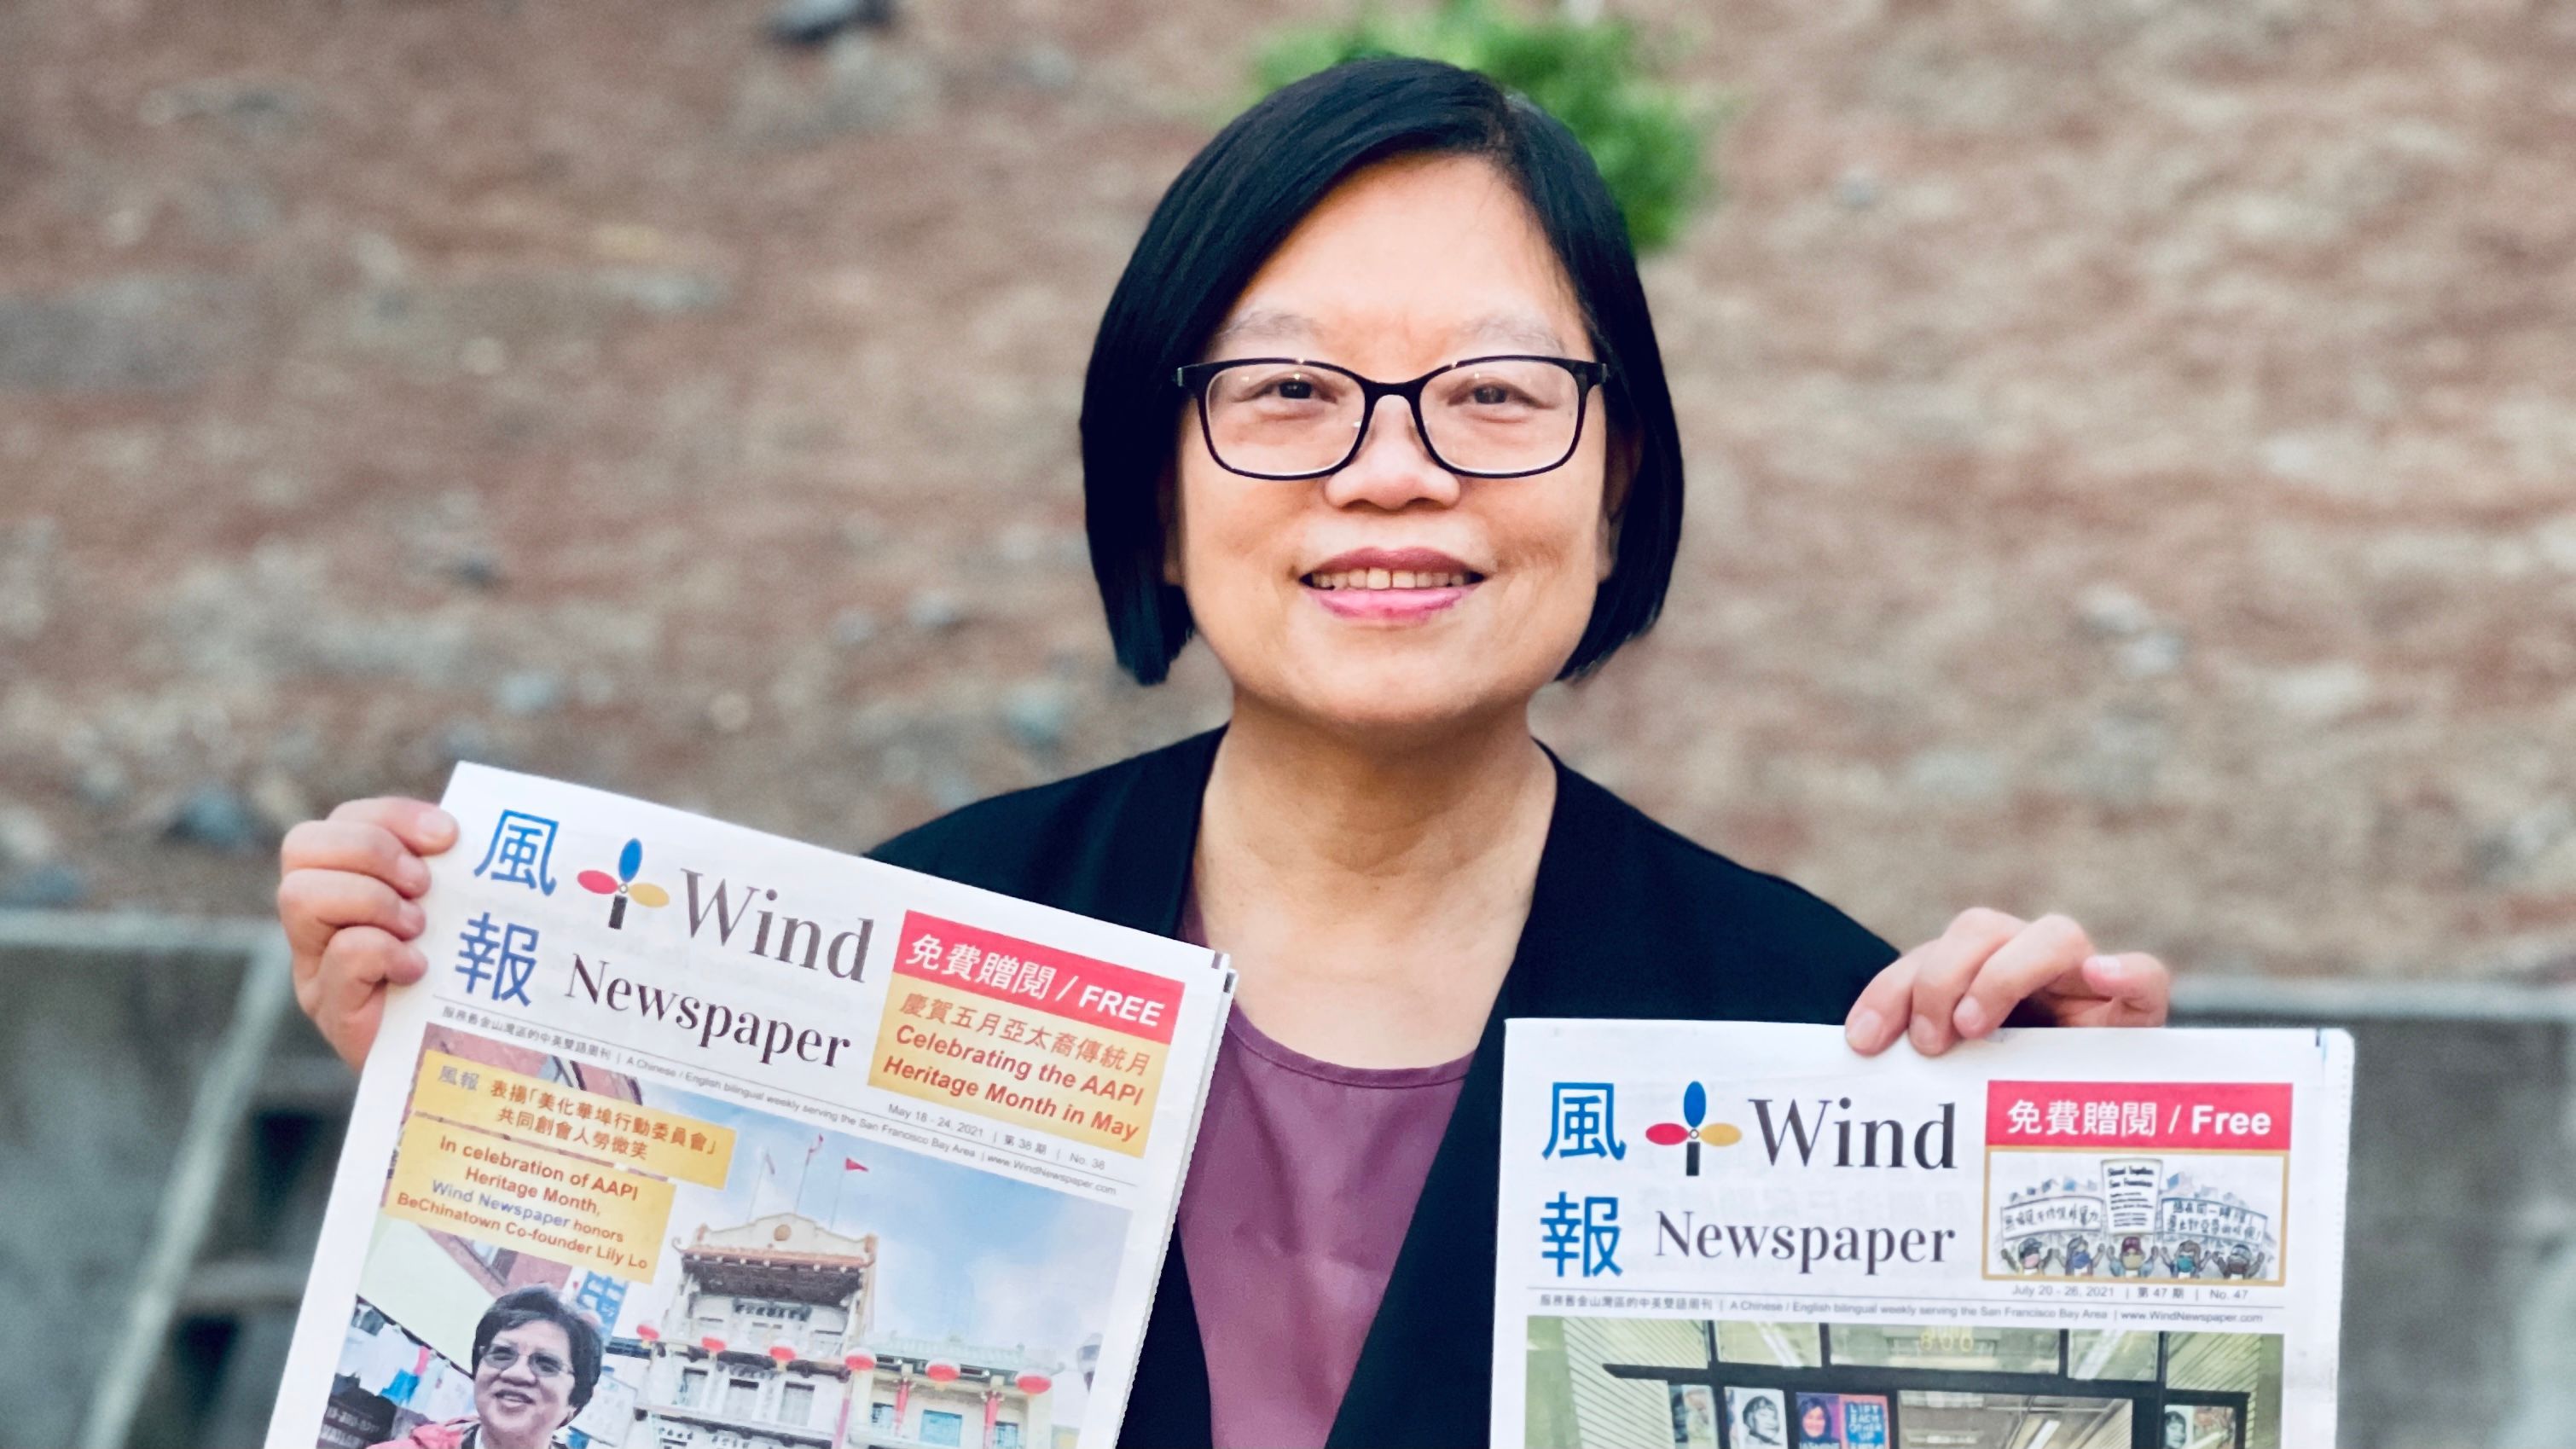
{"x": 1748, "y": 1237}
{"x": 827, "y": 1152}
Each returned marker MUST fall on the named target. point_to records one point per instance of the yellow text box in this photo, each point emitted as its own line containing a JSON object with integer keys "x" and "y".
{"x": 531, "y": 1109}
{"x": 1020, "y": 1064}
{"x": 562, "y": 1208}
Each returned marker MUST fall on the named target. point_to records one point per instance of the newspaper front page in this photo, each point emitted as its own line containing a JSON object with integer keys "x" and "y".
{"x": 1743, "y": 1236}
{"x": 825, "y": 1152}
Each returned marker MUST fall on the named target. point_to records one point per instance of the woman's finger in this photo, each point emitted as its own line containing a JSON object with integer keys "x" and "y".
{"x": 315, "y": 904}
{"x": 1947, "y": 966}
{"x": 361, "y": 846}
{"x": 350, "y": 986}
{"x": 1878, "y": 1015}
{"x": 424, "y": 827}
{"x": 2040, "y": 954}
{"x": 2136, "y": 989}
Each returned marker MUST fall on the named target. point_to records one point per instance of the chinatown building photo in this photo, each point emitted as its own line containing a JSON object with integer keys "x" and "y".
{"x": 769, "y": 1341}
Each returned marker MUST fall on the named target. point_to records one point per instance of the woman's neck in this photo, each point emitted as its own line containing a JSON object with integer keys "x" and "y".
{"x": 1372, "y": 894}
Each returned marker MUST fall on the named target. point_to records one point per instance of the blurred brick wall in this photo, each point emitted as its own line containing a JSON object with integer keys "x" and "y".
{"x": 2133, "y": 445}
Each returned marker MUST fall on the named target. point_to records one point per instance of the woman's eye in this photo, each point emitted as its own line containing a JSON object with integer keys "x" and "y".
{"x": 1278, "y": 387}
{"x": 1491, "y": 395}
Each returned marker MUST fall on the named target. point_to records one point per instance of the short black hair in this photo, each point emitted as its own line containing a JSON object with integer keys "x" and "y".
{"x": 522, "y": 1306}
{"x": 1232, "y": 206}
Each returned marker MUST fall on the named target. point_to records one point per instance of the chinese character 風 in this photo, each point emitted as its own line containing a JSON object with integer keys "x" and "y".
{"x": 1580, "y": 1122}
{"x": 523, "y": 846}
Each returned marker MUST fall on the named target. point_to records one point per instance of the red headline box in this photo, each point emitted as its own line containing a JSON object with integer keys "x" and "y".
{"x": 1005, "y": 968}
{"x": 2209, "y": 1116}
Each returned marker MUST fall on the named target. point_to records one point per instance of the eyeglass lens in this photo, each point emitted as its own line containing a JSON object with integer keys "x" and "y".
{"x": 1502, "y": 416}
{"x": 500, "y": 1356}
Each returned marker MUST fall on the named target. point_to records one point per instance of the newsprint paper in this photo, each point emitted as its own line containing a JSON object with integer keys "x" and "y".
{"x": 1748, "y": 1237}
{"x": 825, "y": 1152}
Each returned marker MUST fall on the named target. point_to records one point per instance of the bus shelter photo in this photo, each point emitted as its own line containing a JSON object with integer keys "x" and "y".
{"x": 1698, "y": 1384}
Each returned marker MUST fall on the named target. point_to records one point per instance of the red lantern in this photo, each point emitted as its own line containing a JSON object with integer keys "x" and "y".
{"x": 861, "y": 1362}
{"x": 1035, "y": 1383}
{"x": 648, "y": 1333}
{"x": 782, "y": 1352}
{"x": 940, "y": 1371}
{"x": 711, "y": 1344}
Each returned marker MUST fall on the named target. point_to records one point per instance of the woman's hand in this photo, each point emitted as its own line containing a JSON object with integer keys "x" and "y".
{"x": 346, "y": 895}
{"x": 1989, "y": 966}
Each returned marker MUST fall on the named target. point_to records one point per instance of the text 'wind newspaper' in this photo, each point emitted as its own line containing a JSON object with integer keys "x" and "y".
{"x": 698, "y": 1136}
{"x": 1749, "y": 1237}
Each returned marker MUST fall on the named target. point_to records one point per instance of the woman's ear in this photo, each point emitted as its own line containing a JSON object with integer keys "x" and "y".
{"x": 1618, "y": 476}
{"x": 1167, "y": 504}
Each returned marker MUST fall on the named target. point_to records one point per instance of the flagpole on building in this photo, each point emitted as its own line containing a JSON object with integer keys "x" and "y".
{"x": 804, "y": 1172}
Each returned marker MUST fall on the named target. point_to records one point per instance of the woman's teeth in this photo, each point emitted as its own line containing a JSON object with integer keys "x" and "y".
{"x": 1387, "y": 579}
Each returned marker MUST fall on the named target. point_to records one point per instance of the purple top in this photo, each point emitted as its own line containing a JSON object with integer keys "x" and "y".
{"x": 1300, "y": 1189}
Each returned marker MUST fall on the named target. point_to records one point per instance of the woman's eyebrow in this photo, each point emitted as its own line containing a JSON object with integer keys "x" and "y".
{"x": 1511, "y": 329}
{"x": 1265, "y": 322}
{"x": 1499, "y": 329}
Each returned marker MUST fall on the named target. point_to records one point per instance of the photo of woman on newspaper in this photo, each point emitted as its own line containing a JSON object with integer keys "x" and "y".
{"x": 536, "y": 1361}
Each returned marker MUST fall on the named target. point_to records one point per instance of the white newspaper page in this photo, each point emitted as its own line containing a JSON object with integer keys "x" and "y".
{"x": 1748, "y": 1237}
{"x": 808, "y": 1149}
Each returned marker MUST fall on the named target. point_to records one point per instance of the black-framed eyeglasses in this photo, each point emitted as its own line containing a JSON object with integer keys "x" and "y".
{"x": 1288, "y": 418}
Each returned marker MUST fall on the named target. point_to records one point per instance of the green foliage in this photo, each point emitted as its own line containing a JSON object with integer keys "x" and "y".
{"x": 1644, "y": 134}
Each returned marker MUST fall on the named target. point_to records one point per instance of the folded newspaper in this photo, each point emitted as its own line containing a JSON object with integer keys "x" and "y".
{"x": 698, "y": 1136}
{"x": 1746, "y": 1237}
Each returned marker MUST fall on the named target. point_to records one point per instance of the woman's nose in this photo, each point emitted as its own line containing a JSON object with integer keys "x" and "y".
{"x": 1393, "y": 468}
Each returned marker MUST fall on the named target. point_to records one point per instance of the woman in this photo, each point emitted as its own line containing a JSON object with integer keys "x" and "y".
{"x": 536, "y": 1360}
{"x": 1377, "y": 410}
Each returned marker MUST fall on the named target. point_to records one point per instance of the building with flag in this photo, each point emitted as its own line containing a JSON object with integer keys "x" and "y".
{"x": 769, "y": 1342}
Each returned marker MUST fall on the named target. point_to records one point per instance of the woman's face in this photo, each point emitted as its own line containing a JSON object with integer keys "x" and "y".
{"x": 523, "y": 1384}
{"x": 1407, "y": 266}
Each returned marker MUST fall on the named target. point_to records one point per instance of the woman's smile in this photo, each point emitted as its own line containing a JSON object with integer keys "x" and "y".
{"x": 1390, "y": 586}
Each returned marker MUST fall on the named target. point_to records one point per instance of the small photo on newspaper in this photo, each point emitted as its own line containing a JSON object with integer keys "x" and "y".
{"x": 1744, "y": 1236}
{"x": 696, "y": 1136}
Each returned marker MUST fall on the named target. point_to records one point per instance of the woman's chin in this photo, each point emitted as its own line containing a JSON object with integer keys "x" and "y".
{"x": 1400, "y": 708}
{"x": 512, "y": 1426}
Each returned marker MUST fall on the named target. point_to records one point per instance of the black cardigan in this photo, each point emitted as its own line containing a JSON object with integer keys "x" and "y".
{"x": 1628, "y": 919}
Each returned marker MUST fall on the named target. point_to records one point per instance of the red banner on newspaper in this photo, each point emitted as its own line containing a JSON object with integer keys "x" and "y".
{"x": 1005, "y": 968}
{"x": 2208, "y": 1116}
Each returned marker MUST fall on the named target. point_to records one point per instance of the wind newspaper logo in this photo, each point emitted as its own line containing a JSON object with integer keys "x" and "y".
{"x": 623, "y": 886}
{"x": 1823, "y": 1134}
{"x": 1580, "y": 1234}
{"x": 740, "y": 917}
{"x": 1694, "y": 1129}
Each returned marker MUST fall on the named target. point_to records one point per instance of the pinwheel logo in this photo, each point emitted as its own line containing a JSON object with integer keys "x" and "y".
{"x": 623, "y": 886}
{"x": 1691, "y": 1133}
